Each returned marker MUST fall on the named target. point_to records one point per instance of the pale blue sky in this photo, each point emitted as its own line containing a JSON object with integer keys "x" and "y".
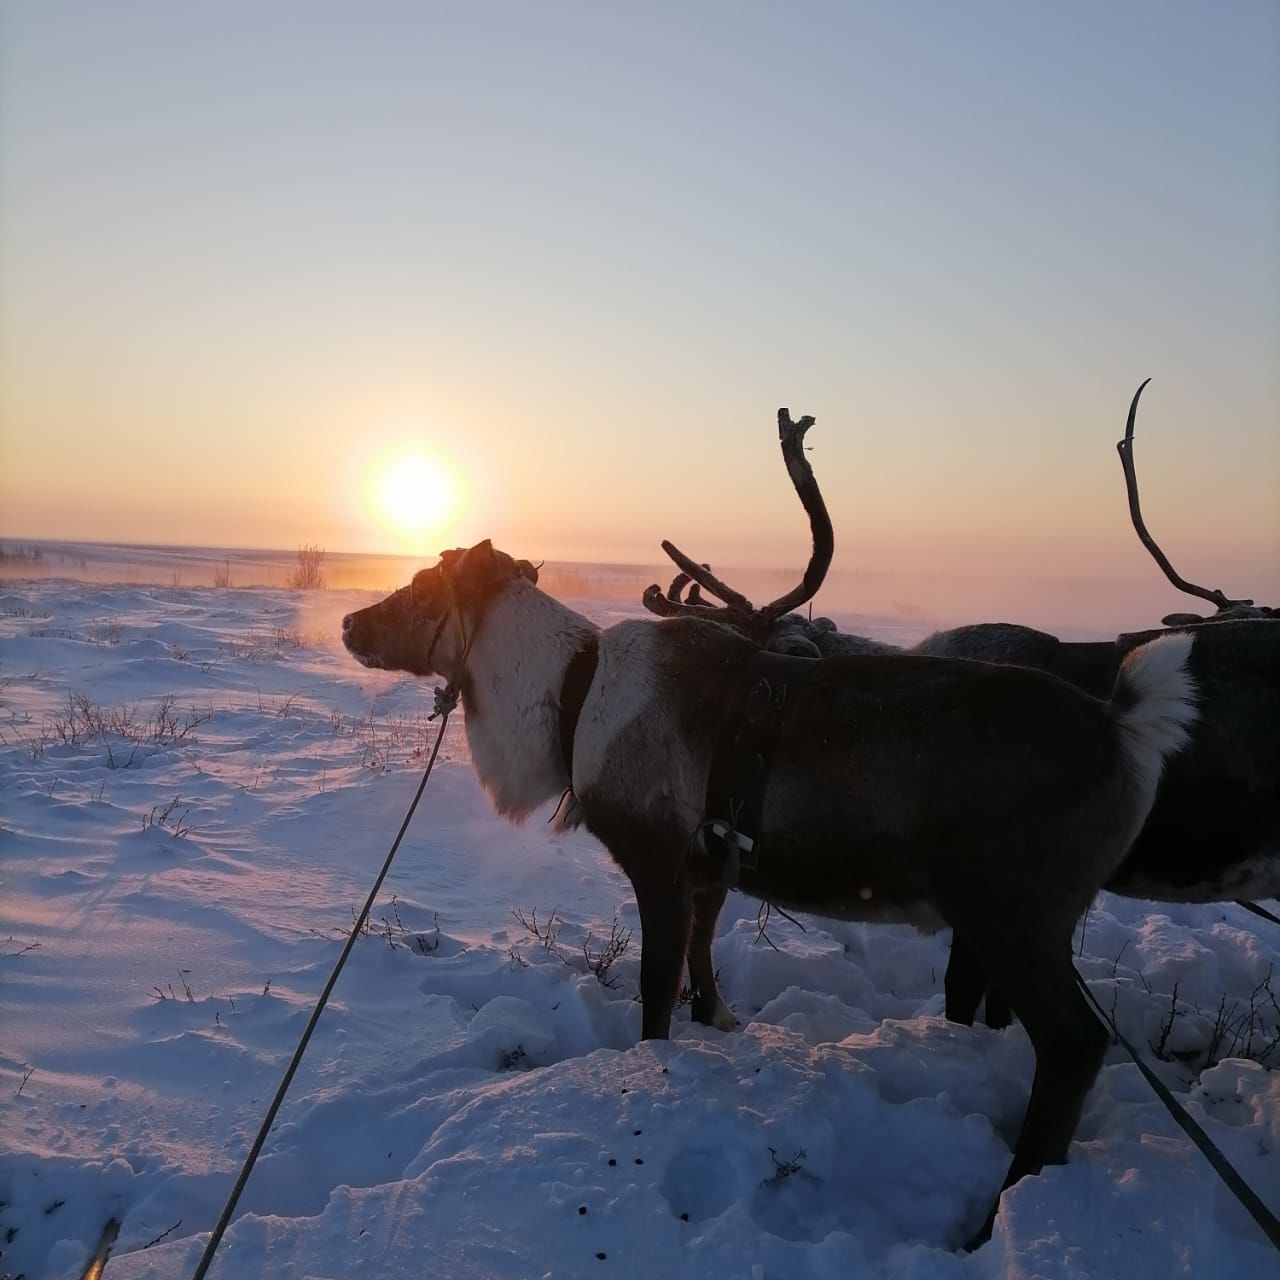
{"x": 583, "y": 252}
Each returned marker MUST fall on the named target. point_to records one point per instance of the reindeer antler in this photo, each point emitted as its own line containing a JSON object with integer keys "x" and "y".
{"x": 736, "y": 610}
{"x": 703, "y": 577}
{"x": 1125, "y": 449}
{"x": 792, "y": 434}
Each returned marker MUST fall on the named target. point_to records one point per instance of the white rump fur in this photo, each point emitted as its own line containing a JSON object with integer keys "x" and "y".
{"x": 1163, "y": 707}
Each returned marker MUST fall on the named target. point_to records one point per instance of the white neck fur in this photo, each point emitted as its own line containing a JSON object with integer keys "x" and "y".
{"x": 522, "y": 646}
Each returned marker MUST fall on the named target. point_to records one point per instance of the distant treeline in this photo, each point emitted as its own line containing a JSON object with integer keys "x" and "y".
{"x": 35, "y": 557}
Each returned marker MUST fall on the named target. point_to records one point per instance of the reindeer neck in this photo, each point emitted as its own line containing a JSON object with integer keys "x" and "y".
{"x": 511, "y": 693}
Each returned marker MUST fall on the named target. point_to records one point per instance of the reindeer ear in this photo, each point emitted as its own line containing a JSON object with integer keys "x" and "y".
{"x": 478, "y": 563}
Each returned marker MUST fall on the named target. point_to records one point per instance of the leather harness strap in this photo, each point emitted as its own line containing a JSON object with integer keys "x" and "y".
{"x": 743, "y": 756}
{"x": 573, "y": 693}
{"x": 743, "y": 760}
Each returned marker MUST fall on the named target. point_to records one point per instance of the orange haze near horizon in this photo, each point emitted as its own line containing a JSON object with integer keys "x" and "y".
{"x": 388, "y": 278}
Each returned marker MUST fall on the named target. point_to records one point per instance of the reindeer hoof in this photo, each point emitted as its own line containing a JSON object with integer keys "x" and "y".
{"x": 998, "y": 1014}
{"x": 982, "y": 1236}
{"x": 723, "y": 1019}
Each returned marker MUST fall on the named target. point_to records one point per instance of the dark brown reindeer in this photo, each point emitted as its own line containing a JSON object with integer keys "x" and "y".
{"x": 994, "y": 799}
{"x": 1213, "y": 834}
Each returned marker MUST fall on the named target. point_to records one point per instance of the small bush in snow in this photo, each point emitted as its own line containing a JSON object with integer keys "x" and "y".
{"x": 784, "y": 1169}
{"x": 547, "y": 933}
{"x": 615, "y": 947}
{"x": 307, "y": 576}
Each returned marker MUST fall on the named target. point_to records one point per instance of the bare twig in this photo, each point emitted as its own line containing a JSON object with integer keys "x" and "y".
{"x": 1166, "y": 1027}
{"x": 547, "y": 933}
{"x": 1084, "y": 925}
{"x": 762, "y": 922}
{"x": 784, "y": 1169}
{"x": 615, "y": 947}
{"x": 162, "y": 1235}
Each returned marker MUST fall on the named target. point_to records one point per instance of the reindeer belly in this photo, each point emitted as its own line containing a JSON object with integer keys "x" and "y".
{"x": 831, "y": 862}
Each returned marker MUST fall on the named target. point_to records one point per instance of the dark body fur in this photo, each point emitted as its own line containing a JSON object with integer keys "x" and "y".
{"x": 1214, "y": 831}
{"x": 876, "y": 739}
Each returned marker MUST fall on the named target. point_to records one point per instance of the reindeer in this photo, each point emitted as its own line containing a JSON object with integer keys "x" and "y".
{"x": 1213, "y": 834}
{"x": 993, "y": 799}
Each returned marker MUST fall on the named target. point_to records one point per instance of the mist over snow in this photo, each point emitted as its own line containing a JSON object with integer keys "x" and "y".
{"x": 197, "y": 787}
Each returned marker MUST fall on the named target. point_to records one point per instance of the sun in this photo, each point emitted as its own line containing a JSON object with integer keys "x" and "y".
{"x": 413, "y": 495}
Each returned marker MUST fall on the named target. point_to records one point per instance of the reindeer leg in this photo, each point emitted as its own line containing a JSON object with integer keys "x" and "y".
{"x": 997, "y": 1014}
{"x": 666, "y": 911}
{"x": 1069, "y": 1045}
{"x": 708, "y": 1006}
{"x": 965, "y": 985}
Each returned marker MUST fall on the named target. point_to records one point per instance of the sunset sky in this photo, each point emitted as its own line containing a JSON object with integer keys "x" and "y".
{"x": 572, "y": 257}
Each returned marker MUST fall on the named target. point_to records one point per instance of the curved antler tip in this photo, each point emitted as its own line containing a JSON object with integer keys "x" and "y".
{"x": 1133, "y": 417}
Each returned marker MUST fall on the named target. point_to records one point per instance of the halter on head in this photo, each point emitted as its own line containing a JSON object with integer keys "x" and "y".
{"x": 446, "y": 698}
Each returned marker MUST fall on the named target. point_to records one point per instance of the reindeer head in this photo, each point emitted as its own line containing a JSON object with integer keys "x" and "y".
{"x": 422, "y": 628}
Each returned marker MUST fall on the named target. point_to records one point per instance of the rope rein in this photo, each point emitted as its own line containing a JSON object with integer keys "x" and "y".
{"x": 1243, "y": 1192}
{"x": 1258, "y": 911}
{"x": 446, "y": 702}
{"x": 448, "y": 699}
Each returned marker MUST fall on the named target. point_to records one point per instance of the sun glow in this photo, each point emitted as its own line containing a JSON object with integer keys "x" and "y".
{"x": 413, "y": 496}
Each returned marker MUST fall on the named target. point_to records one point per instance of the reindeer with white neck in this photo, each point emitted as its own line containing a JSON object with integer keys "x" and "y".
{"x": 994, "y": 799}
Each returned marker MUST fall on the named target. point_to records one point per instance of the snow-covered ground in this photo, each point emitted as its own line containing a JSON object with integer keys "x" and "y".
{"x": 197, "y": 787}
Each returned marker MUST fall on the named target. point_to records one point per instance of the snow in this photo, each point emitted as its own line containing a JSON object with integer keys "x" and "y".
{"x": 197, "y": 789}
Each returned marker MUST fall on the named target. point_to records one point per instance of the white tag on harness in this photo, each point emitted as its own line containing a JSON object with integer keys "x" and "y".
{"x": 730, "y": 836}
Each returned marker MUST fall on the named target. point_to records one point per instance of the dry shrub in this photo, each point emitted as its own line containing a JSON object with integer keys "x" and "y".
{"x": 307, "y": 576}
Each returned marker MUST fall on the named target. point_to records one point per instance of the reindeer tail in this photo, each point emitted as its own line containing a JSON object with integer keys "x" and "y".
{"x": 1154, "y": 704}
